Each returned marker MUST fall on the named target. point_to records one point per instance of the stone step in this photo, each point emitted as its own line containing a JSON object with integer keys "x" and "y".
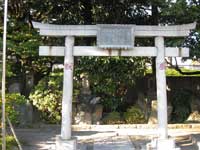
{"x": 187, "y": 142}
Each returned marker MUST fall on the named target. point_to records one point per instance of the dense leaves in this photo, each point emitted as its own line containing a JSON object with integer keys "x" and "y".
{"x": 10, "y": 143}
{"x": 110, "y": 82}
{"x": 23, "y": 41}
{"x": 181, "y": 105}
{"x": 134, "y": 115}
{"x": 111, "y": 77}
{"x": 47, "y": 97}
{"x": 112, "y": 118}
{"x": 13, "y": 102}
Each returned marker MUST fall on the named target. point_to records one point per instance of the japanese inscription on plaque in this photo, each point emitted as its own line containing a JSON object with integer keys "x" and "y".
{"x": 115, "y": 36}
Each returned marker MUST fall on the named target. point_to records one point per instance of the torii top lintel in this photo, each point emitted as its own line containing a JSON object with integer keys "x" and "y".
{"x": 91, "y": 30}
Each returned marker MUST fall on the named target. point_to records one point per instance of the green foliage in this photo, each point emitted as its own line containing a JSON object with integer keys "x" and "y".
{"x": 112, "y": 118}
{"x": 22, "y": 50}
{"x": 134, "y": 115}
{"x": 23, "y": 41}
{"x": 47, "y": 97}
{"x": 111, "y": 103}
{"x": 10, "y": 142}
{"x": 110, "y": 82}
{"x": 110, "y": 77}
{"x": 13, "y": 102}
{"x": 181, "y": 105}
{"x": 181, "y": 12}
{"x": 174, "y": 73}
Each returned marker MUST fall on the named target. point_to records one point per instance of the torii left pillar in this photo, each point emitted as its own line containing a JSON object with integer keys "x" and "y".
{"x": 65, "y": 140}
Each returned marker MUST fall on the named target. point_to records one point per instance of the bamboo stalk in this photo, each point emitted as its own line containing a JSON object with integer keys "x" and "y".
{"x": 4, "y": 76}
{"x": 14, "y": 134}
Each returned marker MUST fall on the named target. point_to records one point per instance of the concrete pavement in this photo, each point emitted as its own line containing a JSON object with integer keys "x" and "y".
{"x": 116, "y": 139}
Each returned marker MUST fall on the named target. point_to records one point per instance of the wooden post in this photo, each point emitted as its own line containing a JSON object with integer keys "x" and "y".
{"x": 161, "y": 87}
{"x": 67, "y": 89}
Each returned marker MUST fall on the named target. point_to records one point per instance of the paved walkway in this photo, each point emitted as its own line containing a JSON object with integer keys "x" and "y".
{"x": 44, "y": 139}
{"x": 126, "y": 139}
{"x": 108, "y": 143}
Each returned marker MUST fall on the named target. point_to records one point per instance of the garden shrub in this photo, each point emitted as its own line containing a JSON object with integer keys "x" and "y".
{"x": 181, "y": 105}
{"x": 110, "y": 78}
{"x": 47, "y": 96}
{"x": 112, "y": 118}
{"x": 13, "y": 102}
{"x": 134, "y": 115}
{"x": 10, "y": 142}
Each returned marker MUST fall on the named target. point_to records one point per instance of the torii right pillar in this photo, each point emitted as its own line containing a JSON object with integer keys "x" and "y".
{"x": 163, "y": 143}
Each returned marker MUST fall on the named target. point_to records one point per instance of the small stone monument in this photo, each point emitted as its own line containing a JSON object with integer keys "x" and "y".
{"x": 153, "y": 116}
{"x": 85, "y": 90}
{"x": 195, "y": 111}
{"x": 15, "y": 87}
{"x": 88, "y": 110}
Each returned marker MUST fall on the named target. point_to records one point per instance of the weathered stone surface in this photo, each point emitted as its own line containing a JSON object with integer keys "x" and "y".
{"x": 194, "y": 117}
{"x": 83, "y": 117}
{"x": 115, "y": 36}
{"x": 62, "y": 144}
{"x": 143, "y": 103}
{"x": 87, "y": 110}
{"x": 14, "y": 88}
{"x": 79, "y": 117}
{"x": 153, "y": 116}
{"x": 88, "y": 113}
{"x": 88, "y": 118}
{"x": 25, "y": 114}
{"x": 162, "y": 144}
{"x": 169, "y": 112}
{"x": 95, "y": 100}
{"x": 29, "y": 83}
{"x": 195, "y": 105}
{"x": 85, "y": 90}
{"x": 97, "y": 114}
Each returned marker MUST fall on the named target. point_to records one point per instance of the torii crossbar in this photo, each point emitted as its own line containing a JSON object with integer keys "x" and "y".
{"x": 113, "y": 40}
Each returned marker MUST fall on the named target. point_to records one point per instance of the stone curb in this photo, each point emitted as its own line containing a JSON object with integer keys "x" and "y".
{"x": 132, "y": 126}
{"x": 116, "y": 126}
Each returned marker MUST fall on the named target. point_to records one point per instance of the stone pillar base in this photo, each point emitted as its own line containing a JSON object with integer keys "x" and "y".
{"x": 162, "y": 144}
{"x": 62, "y": 144}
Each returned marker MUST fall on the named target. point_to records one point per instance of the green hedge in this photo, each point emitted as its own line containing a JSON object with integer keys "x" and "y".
{"x": 13, "y": 101}
{"x": 181, "y": 105}
{"x": 47, "y": 96}
{"x": 134, "y": 115}
{"x": 112, "y": 118}
{"x": 10, "y": 142}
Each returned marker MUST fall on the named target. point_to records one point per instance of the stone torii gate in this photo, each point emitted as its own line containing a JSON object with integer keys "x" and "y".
{"x": 113, "y": 40}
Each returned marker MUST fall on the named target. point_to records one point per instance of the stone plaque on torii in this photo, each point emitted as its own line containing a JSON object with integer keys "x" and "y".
{"x": 113, "y": 40}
